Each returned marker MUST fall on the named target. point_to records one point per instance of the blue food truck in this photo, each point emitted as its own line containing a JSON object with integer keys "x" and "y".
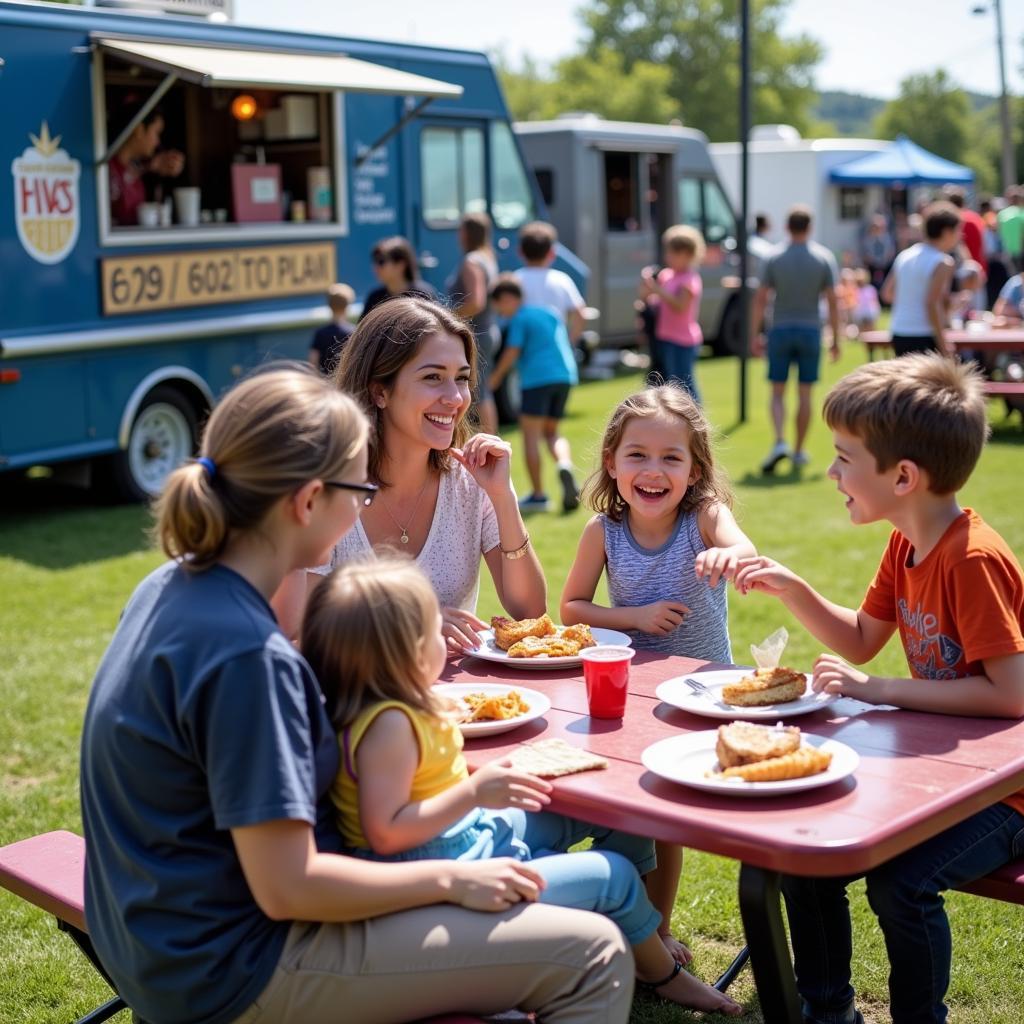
{"x": 117, "y": 333}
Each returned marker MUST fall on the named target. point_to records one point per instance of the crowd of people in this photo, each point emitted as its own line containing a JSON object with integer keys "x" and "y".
{"x": 278, "y": 814}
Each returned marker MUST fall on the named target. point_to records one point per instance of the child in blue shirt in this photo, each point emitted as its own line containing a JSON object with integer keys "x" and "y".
{"x": 537, "y": 344}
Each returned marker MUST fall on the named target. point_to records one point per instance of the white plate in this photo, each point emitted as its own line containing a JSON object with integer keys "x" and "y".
{"x": 688, "y": 759}
{"x": 678, "y": 694}
{"x": 539, "y": 706}
{"x": 490, "y": 651}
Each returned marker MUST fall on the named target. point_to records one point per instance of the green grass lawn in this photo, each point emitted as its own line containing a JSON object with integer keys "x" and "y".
{"x": 68, "y": 566}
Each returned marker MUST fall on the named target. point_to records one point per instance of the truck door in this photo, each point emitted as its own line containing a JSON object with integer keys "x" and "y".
{"x": 448, "y": 162}
{"x": 630, "y": 238}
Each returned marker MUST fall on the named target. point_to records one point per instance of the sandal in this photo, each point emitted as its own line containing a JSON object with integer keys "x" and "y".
{"x": 653, "y": 986}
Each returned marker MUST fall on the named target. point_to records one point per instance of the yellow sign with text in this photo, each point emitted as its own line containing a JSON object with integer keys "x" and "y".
{"x": 168, "y": 280}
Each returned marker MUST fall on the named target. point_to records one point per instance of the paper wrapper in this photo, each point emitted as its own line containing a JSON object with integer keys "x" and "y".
{"x": 768, "y": 653}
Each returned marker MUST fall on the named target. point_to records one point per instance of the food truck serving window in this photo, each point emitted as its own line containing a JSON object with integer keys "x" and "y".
{"x": 209, "y": 142}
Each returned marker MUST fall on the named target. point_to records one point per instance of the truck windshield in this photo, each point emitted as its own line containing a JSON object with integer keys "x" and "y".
{"x": 511, "y": 198}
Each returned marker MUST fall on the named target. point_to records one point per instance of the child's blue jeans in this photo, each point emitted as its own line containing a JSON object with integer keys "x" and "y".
{"x": 905, "y": 895}
{"x": 680, "y": 364}
{"x": 605, "y": 879}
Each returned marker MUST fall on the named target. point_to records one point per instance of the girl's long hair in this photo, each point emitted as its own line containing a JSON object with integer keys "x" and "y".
{"x": 363, "y": 634}
{"x": 601, "y": 492}
{"x": 273, "y": 432}
{"x": 386, "y": 339}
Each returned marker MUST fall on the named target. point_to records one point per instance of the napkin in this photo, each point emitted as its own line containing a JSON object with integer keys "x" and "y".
{"x": 768, "y": 653}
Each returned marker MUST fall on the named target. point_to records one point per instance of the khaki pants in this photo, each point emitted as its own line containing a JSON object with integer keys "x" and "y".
{"x": 567, "y": 966}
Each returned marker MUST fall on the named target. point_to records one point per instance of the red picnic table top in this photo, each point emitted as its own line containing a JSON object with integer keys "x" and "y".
{"x": 918, "y": 774}
{"x": 990, "y": 339}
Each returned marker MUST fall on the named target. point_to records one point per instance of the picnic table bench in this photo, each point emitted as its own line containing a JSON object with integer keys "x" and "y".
{"x": 48, "y": 871}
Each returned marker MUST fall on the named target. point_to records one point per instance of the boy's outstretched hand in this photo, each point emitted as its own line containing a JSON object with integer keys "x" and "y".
{"x": 765, "y": 575}
{"x": 833, "y": 675}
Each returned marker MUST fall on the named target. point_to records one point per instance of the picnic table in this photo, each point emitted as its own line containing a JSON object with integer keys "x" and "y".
{"x": 991, "y": 339}
{"x": 918, "y": 774}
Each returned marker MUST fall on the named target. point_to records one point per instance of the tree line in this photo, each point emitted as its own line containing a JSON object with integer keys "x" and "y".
{"x": 657, "y": 61}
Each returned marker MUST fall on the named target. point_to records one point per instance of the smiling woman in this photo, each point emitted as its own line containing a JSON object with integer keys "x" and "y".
{"x": 446, "y": 496}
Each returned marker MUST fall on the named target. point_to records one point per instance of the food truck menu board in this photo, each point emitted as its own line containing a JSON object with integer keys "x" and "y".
{"x": 168, "y": 280}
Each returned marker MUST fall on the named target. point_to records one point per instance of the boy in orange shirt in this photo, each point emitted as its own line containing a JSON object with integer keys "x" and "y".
{"x": 907, "y": 435}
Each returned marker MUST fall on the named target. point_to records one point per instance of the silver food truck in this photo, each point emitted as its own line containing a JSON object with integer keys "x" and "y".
{"x": 611, "y": 189}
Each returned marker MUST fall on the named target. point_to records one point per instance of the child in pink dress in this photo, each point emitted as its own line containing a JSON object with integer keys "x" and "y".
{"x": 676, "y": 292}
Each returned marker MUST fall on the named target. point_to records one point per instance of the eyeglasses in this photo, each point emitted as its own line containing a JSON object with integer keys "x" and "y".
{"x": 370, "y": 490}
{"x": 381, "y": 260}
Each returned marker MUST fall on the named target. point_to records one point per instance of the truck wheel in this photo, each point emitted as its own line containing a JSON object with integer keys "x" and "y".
{"x": 162, "y": 436}
{"x": 730, "y": 333}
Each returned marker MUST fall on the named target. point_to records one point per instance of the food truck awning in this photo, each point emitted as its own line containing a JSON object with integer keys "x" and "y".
{"x": 238, "y": 68}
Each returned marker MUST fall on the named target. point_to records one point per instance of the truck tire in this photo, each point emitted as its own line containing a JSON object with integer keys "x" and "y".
{"x": 730, "y": 332}
{"x": 162, "y": 436}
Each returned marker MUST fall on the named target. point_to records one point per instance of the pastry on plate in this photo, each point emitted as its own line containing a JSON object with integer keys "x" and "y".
{"x": 510, "y": 631}
{"x": 743, "y": 743}
{"x": 765, "y": 686}
{"x": 545, "y": 647}
{"x": 580, "y": 633}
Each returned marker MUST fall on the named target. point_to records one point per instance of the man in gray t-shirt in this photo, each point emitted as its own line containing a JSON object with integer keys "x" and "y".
{"x": 798, "y": 275}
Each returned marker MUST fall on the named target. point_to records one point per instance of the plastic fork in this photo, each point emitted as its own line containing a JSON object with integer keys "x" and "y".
{"x": 697, "y": 686}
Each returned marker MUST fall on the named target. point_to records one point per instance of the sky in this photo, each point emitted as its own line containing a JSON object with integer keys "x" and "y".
{"x": 870, "y": 44}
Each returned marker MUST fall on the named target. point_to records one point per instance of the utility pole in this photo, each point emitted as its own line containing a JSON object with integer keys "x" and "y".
{"x": 1009, "y": 175}
{"x": 741, "y": 228}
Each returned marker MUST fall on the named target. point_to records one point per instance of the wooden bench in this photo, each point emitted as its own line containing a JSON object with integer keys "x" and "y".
{"x": 49, "y": 871}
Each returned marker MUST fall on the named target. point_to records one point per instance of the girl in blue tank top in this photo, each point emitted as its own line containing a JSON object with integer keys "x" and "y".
{"x": 666, "y": 538}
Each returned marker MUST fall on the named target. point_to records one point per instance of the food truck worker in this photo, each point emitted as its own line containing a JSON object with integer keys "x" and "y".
{"x": 136, "y": 158}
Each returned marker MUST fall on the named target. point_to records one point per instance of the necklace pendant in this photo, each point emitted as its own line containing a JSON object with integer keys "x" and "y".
{"x": 404, "y": 538}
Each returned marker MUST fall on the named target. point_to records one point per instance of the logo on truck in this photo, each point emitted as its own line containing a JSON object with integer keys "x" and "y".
{"x": 46, "y": 205}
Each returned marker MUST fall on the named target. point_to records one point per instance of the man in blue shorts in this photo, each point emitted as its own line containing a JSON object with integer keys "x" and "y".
{"x": 537, "y": 342}
{"x": 798, "y": 275}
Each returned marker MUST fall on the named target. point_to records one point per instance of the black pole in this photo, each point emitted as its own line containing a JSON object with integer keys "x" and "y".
{"x": 741, "y": 239}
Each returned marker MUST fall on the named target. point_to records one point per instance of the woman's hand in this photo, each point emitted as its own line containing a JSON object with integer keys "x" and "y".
{"x": 459, "y": 628}
{"x": 498, "y": 785}
{"x": 493, "y": 885}
{"x": 489, "y": 462}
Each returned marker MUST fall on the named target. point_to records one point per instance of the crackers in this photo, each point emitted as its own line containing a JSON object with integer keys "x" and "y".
{"x": 551, "y": 758}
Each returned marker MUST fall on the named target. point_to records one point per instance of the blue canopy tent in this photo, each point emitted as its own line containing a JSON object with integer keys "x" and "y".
{"x": 901, "y": 162}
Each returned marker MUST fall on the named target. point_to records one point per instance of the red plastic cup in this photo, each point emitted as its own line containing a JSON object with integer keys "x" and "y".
{"x": 606, "y": 673}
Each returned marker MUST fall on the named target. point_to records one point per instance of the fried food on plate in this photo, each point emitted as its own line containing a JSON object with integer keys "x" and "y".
{"x": 800, "y": 763}
{"x": 494, "y": 707}
{"x": 510, "y": 631}
{"x": 765, "y": 686}
{"x": 580, "y": 633}
{"x": 545, "y": 647}
{"x": 744, "y": 743}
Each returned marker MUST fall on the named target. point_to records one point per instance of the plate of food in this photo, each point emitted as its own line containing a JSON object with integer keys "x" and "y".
{"x": 494, "y": 707}
{"x": 747, "y": 693}
{"x": 746, "y": 759}
{"x": 540, "y": 644}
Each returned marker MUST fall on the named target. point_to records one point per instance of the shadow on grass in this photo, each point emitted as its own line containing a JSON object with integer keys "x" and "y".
{"x": 1008, "y": 431}
{"x": 767, "y": 481}
{"x": 55, "y": 526}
